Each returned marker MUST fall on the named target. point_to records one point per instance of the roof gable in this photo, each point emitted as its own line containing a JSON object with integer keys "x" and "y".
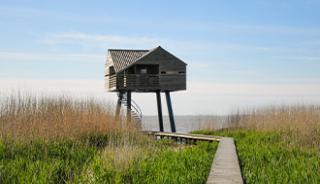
{"x": 158, "y": 53}
{"x": 123, "y": 59}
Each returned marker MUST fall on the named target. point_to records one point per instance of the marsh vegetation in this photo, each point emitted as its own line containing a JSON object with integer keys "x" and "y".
{"x": 64, "y": 140}
{"x": 277, "y": 145}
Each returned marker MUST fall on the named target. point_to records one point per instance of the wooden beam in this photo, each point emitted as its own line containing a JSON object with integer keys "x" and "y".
{"x": 159, "y": 111}
{"x": 171, "y": 117}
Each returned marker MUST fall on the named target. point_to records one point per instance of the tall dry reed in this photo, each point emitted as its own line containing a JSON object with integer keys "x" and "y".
{"x": 300, "y": 125}
{"x": 24, "y": 116}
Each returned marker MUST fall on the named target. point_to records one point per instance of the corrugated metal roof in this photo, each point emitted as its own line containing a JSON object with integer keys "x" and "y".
{"x": 122, "y": 58}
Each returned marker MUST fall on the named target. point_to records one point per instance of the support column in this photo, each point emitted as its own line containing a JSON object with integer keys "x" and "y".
{"x": 128, "y": 106}
{"x": 118, "y": 108}
{"x": 171, "y": 117}
{"x": 159, "y": 111}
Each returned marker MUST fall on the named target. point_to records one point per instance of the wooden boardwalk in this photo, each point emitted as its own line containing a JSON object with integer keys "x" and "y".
{"x": 225, "y": 168}
{"x": 182, "y": 137}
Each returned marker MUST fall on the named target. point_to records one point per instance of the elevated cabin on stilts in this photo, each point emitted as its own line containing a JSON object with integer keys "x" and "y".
{"x": 143, "y": 71}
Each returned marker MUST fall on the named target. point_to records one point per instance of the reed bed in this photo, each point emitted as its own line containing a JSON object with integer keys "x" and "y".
{"x": 299, "y": 125}
{"x": 65, "y": 140}
{"x": 29, "y": 117}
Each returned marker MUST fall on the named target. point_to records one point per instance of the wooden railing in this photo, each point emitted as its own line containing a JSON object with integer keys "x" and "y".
{"x": 182, "y": 137}
{"x": 145, "y": 81}
{"x": 140, "y": 80}
{"x": 133, "y": 81}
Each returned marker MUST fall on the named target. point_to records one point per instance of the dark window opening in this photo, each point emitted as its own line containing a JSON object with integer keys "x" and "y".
{"x": 182, "y": 72}
{"x": 147, "y": 69}
{"x": 171, "y": 72}
{"x": 111, "y": 70}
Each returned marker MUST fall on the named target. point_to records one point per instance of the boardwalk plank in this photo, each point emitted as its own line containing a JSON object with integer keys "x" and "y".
{"x": 225, "y": 168}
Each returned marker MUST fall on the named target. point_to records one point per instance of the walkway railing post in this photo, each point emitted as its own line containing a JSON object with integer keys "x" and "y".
{"x": 159, "y": 111}
{"x": 171, "y": 117}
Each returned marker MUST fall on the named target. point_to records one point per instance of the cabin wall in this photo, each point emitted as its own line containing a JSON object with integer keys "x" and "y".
{"x": 107, "y": 73}
{"x": 108, "y": 64}
{"x": 174, "y": 77}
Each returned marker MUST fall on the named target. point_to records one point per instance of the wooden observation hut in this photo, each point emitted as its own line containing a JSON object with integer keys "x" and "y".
{"x": 144, "y": 71}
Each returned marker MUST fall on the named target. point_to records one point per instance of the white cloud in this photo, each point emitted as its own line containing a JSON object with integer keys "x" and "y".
{"x": 104, "y": 41}
{"x": 53, "y": 86}
{"x": 44, "y": 57}
{"x": 271, "y": 28}
{"x": 99, "y": 40}
{"x": 300, "y": 58}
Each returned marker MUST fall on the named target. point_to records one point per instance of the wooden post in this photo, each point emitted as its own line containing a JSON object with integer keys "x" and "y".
{"x": 172, "y": 123}
{"x": 159, "y": 111}
{"x": 118, "y": 108}
{"x": 128, "y": 106}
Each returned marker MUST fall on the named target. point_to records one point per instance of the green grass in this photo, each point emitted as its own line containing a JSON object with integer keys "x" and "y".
{"x": 266, "y": 157}
{"x": 43, "y": 162}
{"x": 90, "y": 161}
{"x": 165, "y": 165}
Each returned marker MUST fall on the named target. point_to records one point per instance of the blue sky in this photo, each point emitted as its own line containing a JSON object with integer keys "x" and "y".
{"x": 264, "y": 48}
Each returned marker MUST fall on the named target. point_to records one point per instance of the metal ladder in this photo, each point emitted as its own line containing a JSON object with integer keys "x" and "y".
{"x": 135, "y": 110}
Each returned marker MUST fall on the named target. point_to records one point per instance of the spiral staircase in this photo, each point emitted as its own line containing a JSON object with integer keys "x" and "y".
{"x": 135, "y": 110}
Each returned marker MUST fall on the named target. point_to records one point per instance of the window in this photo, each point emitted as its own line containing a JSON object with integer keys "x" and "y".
{"x": 111, "y": 70}
{"x": 172, "y": 72}
{"x": 147, "y": 69}
{"x": 143, "y": 71}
